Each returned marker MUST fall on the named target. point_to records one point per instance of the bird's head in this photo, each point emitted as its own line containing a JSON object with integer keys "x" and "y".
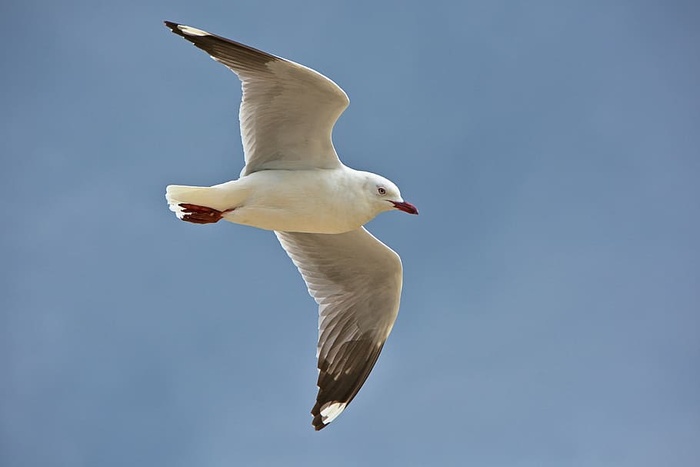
{"x": 385, "y": 195}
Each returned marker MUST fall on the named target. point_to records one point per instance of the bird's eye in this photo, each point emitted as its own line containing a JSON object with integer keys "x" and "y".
{"x": 381, "y": 190}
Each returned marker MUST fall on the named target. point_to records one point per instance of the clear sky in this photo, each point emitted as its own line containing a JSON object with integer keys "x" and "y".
{"x": 550, "y": 314}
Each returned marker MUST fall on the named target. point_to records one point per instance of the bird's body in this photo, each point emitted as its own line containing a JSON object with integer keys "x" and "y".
{"x": 294, "y": 184}
{"x": 325, "y": 201}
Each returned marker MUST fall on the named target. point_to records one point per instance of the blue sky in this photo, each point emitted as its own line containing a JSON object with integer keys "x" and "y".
{"x": 550, "y": 311}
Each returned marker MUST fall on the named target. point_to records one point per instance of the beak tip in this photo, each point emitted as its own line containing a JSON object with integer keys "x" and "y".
{"x": 405, "y": 207}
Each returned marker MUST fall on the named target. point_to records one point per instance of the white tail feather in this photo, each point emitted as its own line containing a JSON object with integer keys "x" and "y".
{"x": 199, "y": 195}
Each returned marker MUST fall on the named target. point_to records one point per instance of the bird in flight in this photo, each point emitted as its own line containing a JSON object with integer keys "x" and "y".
{"x": 294, "y": 184}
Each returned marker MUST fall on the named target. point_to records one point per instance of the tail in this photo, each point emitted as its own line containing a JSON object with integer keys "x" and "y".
{"x": 198, "y": 195}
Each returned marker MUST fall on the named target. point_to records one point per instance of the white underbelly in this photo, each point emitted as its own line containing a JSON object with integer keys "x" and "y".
{"x": 282, "y": 220}
{"x": 302, "y": 201}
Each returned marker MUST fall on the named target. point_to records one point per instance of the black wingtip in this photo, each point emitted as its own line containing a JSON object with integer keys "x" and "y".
{"x": 317, "y": 421}
{"x": 318, "y": 424}
{"x": 173, "y": 27}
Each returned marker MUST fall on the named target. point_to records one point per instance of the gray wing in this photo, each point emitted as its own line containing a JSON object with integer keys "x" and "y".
{"x": 356, "y": 281}
{"x": 288, "y": 110}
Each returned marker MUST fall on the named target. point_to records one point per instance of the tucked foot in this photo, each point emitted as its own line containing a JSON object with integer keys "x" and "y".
{"x": 201, "y": 214}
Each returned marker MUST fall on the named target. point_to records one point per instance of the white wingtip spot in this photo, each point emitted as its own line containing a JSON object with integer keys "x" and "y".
{"x": 190, "y": 31}
{"x": 331, "y": 410}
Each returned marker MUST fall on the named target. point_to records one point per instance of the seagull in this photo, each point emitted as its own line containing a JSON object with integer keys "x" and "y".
{"x": 294, "y": 184}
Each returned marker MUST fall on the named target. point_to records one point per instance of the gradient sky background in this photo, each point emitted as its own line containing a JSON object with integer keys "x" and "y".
{"x": 550, "y": 314}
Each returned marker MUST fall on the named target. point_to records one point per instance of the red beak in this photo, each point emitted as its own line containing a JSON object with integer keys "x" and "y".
{"x": 405, "y": 207}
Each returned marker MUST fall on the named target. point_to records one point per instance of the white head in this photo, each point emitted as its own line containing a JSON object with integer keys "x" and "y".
{"x": 385, "y": 195}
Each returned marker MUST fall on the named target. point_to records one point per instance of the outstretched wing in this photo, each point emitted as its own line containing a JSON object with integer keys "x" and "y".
{"x": 356, "y": 281}
{"x": 288, "y": 110}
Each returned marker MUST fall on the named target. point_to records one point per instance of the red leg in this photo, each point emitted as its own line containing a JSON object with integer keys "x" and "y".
{"x": 201, "y": 214}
